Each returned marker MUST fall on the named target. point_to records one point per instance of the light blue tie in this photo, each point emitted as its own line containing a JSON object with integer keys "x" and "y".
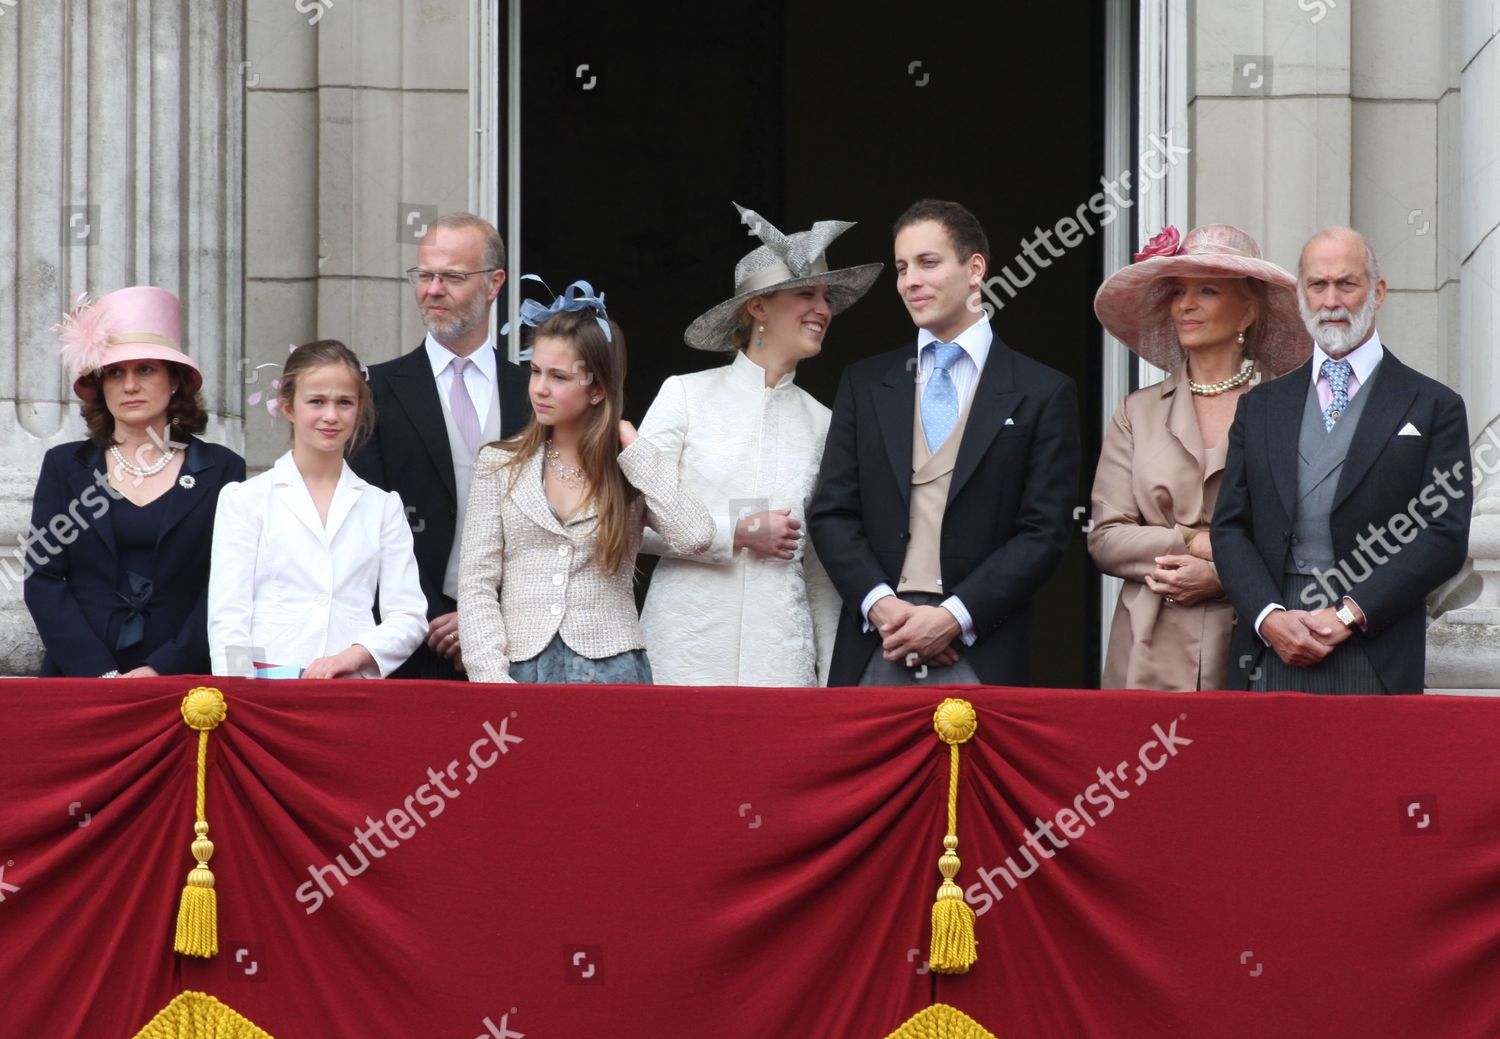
{"x": 1337, "y": 373}
{"x": 940, "y": 395}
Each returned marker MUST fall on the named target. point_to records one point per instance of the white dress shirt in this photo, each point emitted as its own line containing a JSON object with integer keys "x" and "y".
{"x": 479, "y": 377}
{"x": 975, "y": 341}
{"x": 291, "y": 588}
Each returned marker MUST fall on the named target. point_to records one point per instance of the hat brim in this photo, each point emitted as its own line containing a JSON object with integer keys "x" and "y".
{"x": 118, "y": 353}
{"x": 711, "y": 330}
{"x": 1132, "y": 306}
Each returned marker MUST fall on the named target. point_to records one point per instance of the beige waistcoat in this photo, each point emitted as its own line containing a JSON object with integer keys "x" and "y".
{"x": 931, "y": 477}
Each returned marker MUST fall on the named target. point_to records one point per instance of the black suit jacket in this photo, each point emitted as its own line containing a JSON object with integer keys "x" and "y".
{"x": 1007, "y": 521}
{"x": 408, "y": 453}
{"x": 1385, "y": 475}
{"x": 73, "y": 593}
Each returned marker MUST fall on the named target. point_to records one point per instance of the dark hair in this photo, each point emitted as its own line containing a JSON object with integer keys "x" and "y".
{"x": 962, "y": 226}
{"x": 494, "y": 245}
{"x": 185, "y": 413}
{"x": 318, "y": 354}
{"x": 599, "y": 446}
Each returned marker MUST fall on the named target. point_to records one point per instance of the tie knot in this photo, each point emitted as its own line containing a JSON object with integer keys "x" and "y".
{"x": 944, "y": 355}
{"x": 1337, "y": 372}
{"x": 459, "y": 364}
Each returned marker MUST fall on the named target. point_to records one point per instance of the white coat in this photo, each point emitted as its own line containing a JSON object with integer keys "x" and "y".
{"x": 726, "y": 617}
{"x": 293, "y": 589}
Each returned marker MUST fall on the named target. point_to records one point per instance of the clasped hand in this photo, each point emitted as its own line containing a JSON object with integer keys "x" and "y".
{"x": 915, "y": 634}
{"x": 1302, "y": 638}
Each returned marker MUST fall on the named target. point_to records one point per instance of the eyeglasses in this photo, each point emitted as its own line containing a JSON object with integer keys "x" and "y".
{"x": 450, "y": 279}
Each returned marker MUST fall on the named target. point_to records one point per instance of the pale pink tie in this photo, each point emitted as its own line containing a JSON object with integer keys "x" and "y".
{"x": 464, "y": 415}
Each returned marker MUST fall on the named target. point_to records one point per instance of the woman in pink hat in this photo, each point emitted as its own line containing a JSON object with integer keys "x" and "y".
{"x": 121, "y": 523}
{"x": 1220, "y": 320}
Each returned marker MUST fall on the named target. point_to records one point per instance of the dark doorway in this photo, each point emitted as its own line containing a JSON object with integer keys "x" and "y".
{"x": 641, "y": 124}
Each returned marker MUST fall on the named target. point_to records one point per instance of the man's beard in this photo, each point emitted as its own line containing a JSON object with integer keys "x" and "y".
{"x": 1336, "y": 341}
{"x": 458, "y": 323}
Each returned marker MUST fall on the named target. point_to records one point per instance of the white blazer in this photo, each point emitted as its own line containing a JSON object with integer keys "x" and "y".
{"x": 292, "y": 590}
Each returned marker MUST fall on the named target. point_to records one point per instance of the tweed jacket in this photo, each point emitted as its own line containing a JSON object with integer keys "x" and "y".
{"x": 548, "y": 583}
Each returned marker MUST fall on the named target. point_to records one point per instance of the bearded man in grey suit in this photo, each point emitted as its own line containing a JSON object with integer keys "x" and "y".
{"x": 1345, "y": 500}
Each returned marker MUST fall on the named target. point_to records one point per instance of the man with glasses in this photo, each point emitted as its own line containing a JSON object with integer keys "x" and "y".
{"x": 435, "y": 407}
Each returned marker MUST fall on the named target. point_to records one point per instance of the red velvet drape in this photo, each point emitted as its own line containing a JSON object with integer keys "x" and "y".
{"x": 727, "y": 863}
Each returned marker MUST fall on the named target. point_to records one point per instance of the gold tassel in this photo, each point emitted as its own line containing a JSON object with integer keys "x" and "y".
{"x": 954, "y": 948}
{"x": 203, "y": 709}
{"x": 940, "y": 1021}
{"x": 197, "y": 1015}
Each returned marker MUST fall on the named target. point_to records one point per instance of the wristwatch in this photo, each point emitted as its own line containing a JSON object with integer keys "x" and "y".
{"x": 1346, "y": 615}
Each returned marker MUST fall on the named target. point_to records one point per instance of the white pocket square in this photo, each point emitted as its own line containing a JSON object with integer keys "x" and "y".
{"x": 1010, "y": 422}
{"x": 1409, "y": 430}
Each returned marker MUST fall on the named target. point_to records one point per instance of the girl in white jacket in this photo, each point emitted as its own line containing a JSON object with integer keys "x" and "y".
{"x": 301, "y": 551}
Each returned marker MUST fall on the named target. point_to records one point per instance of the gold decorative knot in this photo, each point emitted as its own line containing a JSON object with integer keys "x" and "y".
{"x": 955, "y": 721}
{"x": 204, "y": 708}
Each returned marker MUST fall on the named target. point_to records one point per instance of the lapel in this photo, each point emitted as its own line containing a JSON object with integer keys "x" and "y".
{"x": 345, "y": 496}
{"x": 1391, "y": 394}
{"x": 1182, "y": 419}
{"x": 895, "y": 405}
{"x": 995, "y": 400}
{"x": 183, "y": 500}
{"x": 1287, "y": 396}
{"x": 526, "y": 493}
{"x": 291, "y": 492}
{"x": 415, "y": 391}
{"x": 90, "y": 461}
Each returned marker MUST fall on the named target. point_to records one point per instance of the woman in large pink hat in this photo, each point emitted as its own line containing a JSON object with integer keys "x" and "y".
{"x": 122, "y": 523}
{"x": 1220, "y": 319}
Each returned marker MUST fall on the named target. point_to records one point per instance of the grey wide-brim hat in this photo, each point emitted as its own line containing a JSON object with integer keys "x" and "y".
{"x": 783, "y": 262}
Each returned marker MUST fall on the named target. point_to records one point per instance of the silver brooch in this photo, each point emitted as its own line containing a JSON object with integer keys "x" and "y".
{"x": 186, "y": 482}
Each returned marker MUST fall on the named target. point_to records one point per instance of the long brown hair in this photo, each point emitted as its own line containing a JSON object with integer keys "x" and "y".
{"x": 603, "y": 361}
{"x": 322, "y": 352}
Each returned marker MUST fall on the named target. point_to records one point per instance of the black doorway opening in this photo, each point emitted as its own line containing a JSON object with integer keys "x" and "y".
{"x": 640, "y": 124}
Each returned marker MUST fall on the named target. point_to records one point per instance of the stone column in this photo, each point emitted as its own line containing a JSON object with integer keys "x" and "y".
{"x": 1463, "y": 645}
{"x": 358, "y": 133}
{"x": 125, "y": 123}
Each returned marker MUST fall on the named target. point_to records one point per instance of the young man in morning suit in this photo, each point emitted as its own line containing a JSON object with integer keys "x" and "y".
{"x": 951, "y": 466}
{"x": 435, "y": 407}
{"x": 1345, "y": 500}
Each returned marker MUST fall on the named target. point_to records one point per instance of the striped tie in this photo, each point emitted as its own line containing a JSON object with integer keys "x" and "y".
{"x": 462, "y": 405}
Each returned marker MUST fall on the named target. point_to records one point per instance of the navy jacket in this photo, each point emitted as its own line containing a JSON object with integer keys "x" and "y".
{"x": 73, "y": 580}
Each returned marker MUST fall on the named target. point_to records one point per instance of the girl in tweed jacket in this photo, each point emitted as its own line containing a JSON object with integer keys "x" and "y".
{"x": 556, "y": 512}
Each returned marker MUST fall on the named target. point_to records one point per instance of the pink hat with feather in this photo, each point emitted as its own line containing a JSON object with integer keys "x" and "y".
{"x": 142, "y": 323}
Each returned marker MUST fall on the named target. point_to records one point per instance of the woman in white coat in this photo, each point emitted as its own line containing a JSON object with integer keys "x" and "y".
{"x": 757, "y": 608}
{"x": 301, "y": 550}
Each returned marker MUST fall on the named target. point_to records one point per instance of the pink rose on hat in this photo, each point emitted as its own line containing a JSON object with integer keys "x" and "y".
{"x": 1165, "y": 243}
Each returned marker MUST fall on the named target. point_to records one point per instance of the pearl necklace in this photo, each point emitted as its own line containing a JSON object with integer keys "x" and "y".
{"x": 137, "y": 471}
{"x": 1213, "y": 389}
{"x": 565, "y": 473}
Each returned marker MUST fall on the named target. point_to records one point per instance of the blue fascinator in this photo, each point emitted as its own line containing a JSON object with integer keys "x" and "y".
{"x": 577, "y": 296}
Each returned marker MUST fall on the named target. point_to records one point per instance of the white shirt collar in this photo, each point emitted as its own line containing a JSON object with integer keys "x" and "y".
{"x": 1362, "y": 358}
{"x": 440, "y": 357}
{"x": 975, "y": 340}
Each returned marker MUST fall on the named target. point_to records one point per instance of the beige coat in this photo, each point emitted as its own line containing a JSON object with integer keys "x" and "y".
{"x": 1154, "y": 486}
